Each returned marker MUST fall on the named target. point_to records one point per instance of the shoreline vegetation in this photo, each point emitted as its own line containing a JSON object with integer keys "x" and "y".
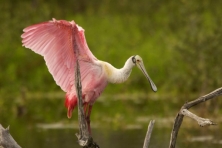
{"x": 178, "y": 41}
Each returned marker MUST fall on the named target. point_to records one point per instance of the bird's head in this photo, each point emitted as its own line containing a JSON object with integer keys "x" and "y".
{"x": 138, "y": 61}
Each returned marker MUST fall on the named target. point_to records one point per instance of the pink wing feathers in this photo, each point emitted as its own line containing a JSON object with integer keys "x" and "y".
{"x": 55, "y": 41}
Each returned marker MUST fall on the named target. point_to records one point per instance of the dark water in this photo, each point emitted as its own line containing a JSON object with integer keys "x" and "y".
{"x": 34, "y": 137}
{"x": 111, "y": 128}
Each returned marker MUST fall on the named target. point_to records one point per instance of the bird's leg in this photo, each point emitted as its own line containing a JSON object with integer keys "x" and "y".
{"x": 85, "y": 105}
{"x": 88, "y": 117}
{"x": 87, "y": 112}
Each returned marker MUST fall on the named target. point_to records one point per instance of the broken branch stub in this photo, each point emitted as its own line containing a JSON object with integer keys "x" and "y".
{"x": 6, "y": 140}
{"x": 148, "y": 134}
{"x": 201, "y": 121}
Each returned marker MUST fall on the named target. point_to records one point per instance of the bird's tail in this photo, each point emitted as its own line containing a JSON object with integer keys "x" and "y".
{"x": 70, "y": 103}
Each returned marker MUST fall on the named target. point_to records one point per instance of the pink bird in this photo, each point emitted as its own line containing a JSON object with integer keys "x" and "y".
{"x": 56, "y": 40}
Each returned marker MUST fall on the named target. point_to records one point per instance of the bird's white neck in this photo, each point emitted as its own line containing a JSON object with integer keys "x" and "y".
{"x": 115, "y": 75}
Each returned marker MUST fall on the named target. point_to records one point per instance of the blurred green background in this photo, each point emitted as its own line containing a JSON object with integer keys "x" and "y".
{"x": 179, "y": 41}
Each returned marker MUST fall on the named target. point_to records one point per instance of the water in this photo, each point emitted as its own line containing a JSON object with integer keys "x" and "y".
{"x": 38, "y": 137}
{"x": 115, "y": 123}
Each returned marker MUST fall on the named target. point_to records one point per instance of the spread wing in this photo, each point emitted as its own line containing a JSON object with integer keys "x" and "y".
{"x": 56, "y": 41}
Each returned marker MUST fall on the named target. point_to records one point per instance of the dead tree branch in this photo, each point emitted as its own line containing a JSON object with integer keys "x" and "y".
{"x": 83, "y": 135}
{"x": 184, "y": 112}
{"x": 201, "y": 121}
{"x": 148, "y": 134}
{"x": 6, "y": 140}
{"x": 84, "y": 138}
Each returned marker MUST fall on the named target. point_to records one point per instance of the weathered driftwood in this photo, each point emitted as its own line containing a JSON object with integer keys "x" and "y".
{"x": 184, "y": 112}
{"x": 6, "y": 140}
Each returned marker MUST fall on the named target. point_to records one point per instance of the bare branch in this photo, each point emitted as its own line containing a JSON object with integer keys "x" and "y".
{"x": 201, "y": 99}
{"x": 6, "y": 140}
{"x": 177, "y": 123}
{"x": 84, "y": 137}
{"x": 201, "y": 121}
{"x": 148, "y": 134}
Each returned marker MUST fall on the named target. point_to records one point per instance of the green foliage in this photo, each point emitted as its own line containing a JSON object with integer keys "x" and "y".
{"x": 179, "y": 42}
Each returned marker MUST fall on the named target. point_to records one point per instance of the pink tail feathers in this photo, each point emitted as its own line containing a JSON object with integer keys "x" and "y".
{"x": 70, "y": 103}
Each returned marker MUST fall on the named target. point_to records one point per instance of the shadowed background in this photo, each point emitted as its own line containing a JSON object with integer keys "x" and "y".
{"x": 179, "y": 41}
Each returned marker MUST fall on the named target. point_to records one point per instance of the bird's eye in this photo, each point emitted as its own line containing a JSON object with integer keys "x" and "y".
{"x": 134, "y": 59}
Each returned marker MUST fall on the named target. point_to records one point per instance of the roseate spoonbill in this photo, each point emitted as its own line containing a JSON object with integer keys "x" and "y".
{"x": 56, "y": 40}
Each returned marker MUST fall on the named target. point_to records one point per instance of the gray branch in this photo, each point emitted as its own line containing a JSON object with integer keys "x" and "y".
{"x": 6, "y": 140}
{"x": 84, "y": 138}
{"x": 148, "y": 134}
{"x": 184, "y": 111}
{"x": 201, "y": 121}
{"x": 83, "y": 135}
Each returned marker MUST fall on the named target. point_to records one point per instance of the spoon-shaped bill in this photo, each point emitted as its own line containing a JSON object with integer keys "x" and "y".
{"x": 142, "y": 68}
